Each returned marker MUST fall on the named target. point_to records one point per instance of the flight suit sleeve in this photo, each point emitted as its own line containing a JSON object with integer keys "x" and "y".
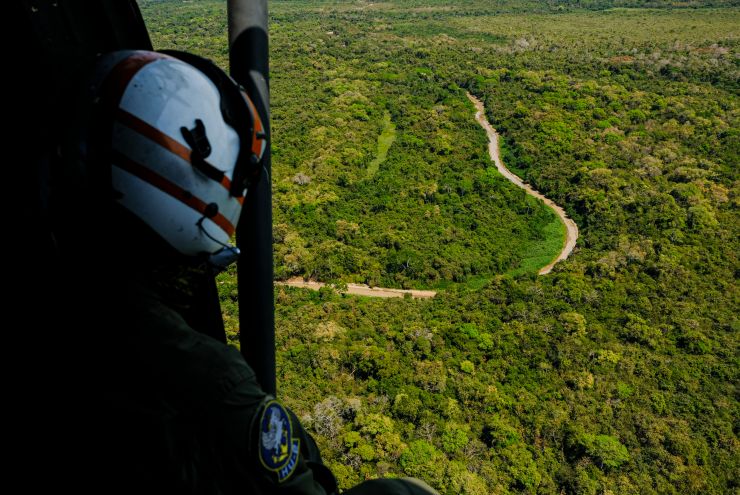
{"x": 255, "y": 444}
{"x": 272, "y": 451}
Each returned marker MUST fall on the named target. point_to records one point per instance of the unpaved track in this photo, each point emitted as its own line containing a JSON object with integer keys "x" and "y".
{"x": 493, "y": 150}
{"x": 570, "y": 226}
{"x": 361, "y": 289}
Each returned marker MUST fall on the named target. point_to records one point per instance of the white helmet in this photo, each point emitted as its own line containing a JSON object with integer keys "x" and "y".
{"x": 185, "y": 140}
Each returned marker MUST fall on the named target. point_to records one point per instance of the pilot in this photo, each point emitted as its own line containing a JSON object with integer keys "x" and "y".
{"x": 168, "y": 147}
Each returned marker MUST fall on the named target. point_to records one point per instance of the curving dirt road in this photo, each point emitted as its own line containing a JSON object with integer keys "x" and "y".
{"x": 493, "y": 150}
{"x": 361, "y": 289}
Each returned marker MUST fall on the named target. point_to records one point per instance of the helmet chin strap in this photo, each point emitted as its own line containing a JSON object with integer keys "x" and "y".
{"x": 221, "y": 259}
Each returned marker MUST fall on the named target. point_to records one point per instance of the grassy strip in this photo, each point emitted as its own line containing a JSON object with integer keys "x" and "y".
{"x": 539, "y": 253}
{"x": 385, "y": 140}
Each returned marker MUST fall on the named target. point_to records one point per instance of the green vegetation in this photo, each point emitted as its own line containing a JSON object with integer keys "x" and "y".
{"x": 539, "y": 252}
{"x": 617, "y": 373}
{"x": 385, "y": 140}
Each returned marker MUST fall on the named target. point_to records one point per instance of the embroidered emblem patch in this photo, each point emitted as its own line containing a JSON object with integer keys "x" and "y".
{"x": 278, "y": 450}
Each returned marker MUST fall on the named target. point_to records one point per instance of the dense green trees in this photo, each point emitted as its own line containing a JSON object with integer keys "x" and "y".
{"x": 617, "y": 373}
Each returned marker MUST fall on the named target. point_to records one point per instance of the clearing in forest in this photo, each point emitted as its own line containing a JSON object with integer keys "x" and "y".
{"x": 385, "y": 140}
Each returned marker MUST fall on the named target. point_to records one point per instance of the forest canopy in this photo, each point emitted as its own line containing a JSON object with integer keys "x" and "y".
{"x": 615, "y": 374}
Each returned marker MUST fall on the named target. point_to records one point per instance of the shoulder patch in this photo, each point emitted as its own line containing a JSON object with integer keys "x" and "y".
{"x": 278, "y": 450}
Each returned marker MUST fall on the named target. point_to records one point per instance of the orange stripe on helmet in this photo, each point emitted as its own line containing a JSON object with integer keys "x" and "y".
{"x": 121, "y": 75}
{"x": 164, "y": 185}
{"x": 175, "y": 147}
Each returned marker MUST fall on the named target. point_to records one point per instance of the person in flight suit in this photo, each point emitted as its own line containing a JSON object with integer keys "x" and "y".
{"x": 171, "y": 143}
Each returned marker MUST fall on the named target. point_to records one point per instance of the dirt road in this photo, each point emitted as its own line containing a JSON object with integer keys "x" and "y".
{"x": 361, "y": 289}
{"x": 493, "y": 150}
